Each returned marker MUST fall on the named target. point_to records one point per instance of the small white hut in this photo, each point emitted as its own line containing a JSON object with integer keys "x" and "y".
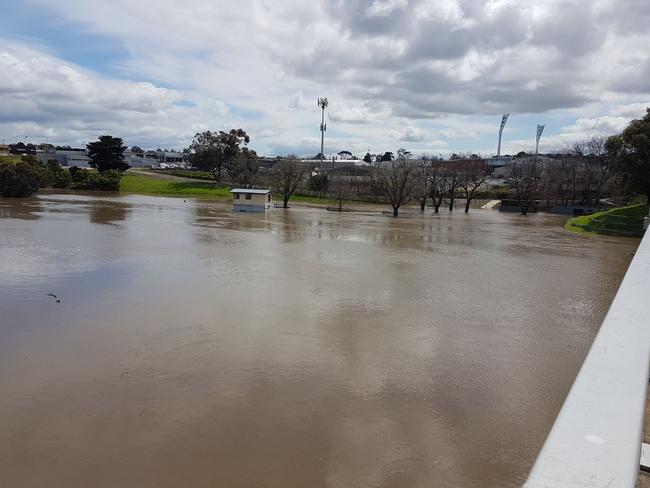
{"x": 250, "y": 200}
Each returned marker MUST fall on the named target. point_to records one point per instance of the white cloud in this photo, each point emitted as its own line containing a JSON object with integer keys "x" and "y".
{"x": 383, "y": 8}
{"x": 404, "y": 65}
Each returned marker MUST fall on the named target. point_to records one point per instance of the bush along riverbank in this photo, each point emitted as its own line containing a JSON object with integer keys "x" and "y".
{"x": 24, "y": 177}
{"x": 622, "y": 221}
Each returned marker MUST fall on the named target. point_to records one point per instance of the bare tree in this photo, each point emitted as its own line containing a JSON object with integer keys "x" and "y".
{"x": 395, "y": 181}
{"x": 524, "y": 176}
{"x": 471, "y": 176}
{"x": 341, "y": 186}
{"x": 422, "y": 178}
{"x": 452, "y": 185}
{"x": 438, "y": 183}
{"x": 287, "y": 176}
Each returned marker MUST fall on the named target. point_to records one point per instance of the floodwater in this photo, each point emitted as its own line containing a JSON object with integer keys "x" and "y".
{"x": 197, "y": 347}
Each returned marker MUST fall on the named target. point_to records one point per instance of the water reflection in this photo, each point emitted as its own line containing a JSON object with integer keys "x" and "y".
{"x": 102, "y": 212}
{"x": 20, "y": 208}
{"x": 202, "y": 347}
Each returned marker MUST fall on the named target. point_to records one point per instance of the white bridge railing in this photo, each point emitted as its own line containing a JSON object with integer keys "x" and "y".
{"x": 596, "y": 438}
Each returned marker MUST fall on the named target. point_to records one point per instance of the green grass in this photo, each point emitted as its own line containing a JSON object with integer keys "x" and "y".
{"x": 132, "y": 183}
{"x": 622, "y": 221}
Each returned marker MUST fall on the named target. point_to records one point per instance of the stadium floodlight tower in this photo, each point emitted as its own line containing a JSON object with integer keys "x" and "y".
{"x": 504, "y": 119}
{"x": 540, "y": 129}
{"x": 322, "y": 103}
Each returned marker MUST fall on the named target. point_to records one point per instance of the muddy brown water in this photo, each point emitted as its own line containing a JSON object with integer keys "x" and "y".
{"x": 198, "y": 347}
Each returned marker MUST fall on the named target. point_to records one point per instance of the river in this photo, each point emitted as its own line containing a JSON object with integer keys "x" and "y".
{"x": 198, "y": 347}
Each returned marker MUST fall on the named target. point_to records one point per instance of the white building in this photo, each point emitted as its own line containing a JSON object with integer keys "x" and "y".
{"x": 250, "y": 200}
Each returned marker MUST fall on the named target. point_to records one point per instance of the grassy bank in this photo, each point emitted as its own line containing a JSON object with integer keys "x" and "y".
{"x": 142, "y": 184}
{"x": 622, "y": 221}
{"x": 147, "y": 185}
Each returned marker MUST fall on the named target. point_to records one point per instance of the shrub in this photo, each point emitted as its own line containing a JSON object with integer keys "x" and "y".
{"x": 21, "y": 179}
{"x": 55, "y": 176}
{"x": 83, "y": 179}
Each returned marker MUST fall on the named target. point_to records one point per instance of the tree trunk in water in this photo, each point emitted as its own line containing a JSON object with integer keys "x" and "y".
{"x": 423, "y": 205}
{"x": 451, "y": 204}
{"x": 285, "y": 202}
{"x": 395, "y": 211}
{"x": 340, "y": 205}
{"x": 467, "y": 202}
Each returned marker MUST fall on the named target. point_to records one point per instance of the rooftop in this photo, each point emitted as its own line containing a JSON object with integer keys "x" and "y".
{"x": 249, "y": 190}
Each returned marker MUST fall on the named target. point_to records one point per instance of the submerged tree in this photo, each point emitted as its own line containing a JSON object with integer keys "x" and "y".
{"x": 395, "y": 180}
{"x": 438, "y": 184}
{"x": 287, "y": 176}
{"x": 422, "y": 177}
{"x": 472, "y": 175}
{"x": 524, "y": 177}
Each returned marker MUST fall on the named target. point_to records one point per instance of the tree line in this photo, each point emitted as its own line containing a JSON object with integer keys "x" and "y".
{"x": 584, "y": 174}
{"x": 22, "y": 178}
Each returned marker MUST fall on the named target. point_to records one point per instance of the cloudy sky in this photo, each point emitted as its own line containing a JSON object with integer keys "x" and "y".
{"x": 432, "y": 76}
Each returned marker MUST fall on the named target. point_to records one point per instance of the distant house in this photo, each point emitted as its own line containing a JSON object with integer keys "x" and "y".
{"x": 250, "y": 200}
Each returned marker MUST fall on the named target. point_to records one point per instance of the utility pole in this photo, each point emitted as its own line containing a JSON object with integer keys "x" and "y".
{"x": 322, "y": 103}
{"x": 504, "y": 119}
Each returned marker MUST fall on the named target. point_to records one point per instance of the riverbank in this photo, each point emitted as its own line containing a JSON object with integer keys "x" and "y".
{"x": 149, "y": 183}
{"x": 172, "y": 186}
{"x": 622, "y": 221}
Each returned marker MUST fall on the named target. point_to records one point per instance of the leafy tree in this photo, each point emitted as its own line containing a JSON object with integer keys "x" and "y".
{"x": 368, "y": 158}
{"x": 631, "y": 151}
{"x": 318, "y": 183}
{"x": 209, "y": 151}
{"x": 82, "y": 179}
{"x": 56, "y": 176}
{"x": 387, "y": 156}
{"x": 107, "y": 153}
{"x": 21, "y": 179}
{"x": 403, "y": 153}
{"x": 287, "y": 176}
{"x": 244, "y": 168}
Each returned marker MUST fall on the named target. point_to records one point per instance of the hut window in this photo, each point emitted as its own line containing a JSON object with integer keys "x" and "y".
{"x": 268, "y": 197}
{"x": 248, "y": 196}
{"x": 236, "y": 196}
